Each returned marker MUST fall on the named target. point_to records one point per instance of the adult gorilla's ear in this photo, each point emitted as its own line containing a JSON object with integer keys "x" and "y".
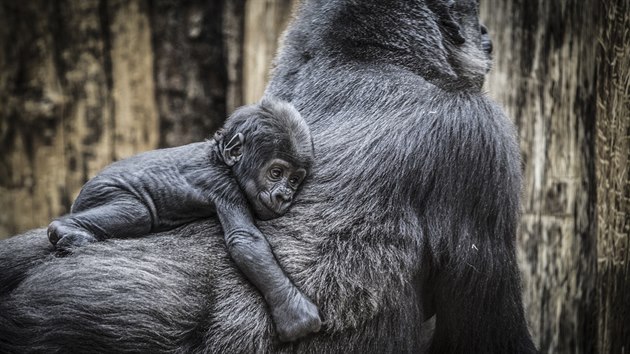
{"x": 232, "y": 151}
{"x": 443, "y": 9}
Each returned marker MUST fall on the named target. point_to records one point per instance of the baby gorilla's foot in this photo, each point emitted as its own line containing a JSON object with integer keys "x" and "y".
{"x": 65, "y": 237}
{"x": 296, "y": 318}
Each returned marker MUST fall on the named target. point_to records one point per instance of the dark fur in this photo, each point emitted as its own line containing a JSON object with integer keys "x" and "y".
{"x": 411, "y": 211}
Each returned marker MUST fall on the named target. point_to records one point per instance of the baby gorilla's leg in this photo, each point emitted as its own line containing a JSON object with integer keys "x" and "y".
{"x": 122, "y": 218}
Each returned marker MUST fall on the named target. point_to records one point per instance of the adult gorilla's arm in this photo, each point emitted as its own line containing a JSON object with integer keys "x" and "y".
{"x": 412, "y": 205}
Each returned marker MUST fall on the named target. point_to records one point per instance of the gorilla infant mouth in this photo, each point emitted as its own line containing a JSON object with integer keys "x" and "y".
{"x": 270, "y": 211}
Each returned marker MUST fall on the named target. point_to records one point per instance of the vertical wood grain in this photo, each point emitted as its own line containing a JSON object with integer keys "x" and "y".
{"x": 264, "y": 22}
{"x": 613, "y": 179}
{"x": 57, "y": 121}
{"x": 544, "y": 76}
{"x": 136, "y": 125}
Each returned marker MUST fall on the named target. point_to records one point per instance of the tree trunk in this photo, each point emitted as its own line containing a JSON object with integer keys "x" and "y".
{"x": 570, "y": 103}
{"x": 233, "y": 28}
{"x": 57, "y": 122}
{"x": 129, "y": 65}
{"x": 264, "y": 22}
{"x": 613, "y": 179}
{"x": 190, "y": 72}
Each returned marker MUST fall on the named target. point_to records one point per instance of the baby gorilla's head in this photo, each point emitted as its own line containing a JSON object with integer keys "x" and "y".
{"x": 270, "y": 149}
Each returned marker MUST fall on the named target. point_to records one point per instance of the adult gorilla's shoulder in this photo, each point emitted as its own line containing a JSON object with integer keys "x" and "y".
{"x": 411, "y": 211}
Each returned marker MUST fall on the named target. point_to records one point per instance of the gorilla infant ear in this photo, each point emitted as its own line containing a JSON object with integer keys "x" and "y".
{"x": 232, "y": 151}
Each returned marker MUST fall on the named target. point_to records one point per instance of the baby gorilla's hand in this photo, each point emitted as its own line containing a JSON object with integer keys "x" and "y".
{"x": 65, "y": 237}
{"x": 296, "y": 317}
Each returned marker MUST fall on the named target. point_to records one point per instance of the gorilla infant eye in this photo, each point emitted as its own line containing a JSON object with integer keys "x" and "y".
{"x": 275, "y": 173}
{"x": 295, "y": 181}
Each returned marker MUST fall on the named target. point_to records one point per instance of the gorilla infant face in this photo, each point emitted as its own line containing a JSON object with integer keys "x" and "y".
{"x": 270, "y": 153}
{"x": 271, "y": 191}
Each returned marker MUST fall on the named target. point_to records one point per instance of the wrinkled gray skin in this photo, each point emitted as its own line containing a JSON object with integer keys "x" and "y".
{"x": 410, "y": 212}
{"x": 258, "y": 160}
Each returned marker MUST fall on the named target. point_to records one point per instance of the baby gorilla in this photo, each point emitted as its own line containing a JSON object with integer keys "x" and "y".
{"x": 258, "y": 160}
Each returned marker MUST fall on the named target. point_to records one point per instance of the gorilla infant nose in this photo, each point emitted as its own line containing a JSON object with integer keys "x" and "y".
{"x": 281, "y": 197}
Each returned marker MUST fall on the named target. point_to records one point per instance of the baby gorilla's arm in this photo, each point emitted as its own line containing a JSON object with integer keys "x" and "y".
{"x": 293, "y": 313}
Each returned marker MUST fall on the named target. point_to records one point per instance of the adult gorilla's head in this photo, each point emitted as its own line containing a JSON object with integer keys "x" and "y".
{"x": 440, "y": 40}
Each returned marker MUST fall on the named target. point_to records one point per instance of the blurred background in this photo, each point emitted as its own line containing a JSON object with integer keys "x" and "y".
{"x": 84, "y": 83}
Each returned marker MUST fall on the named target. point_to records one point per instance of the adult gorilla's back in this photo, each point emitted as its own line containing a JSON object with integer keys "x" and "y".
{"x": 411, "y": 211}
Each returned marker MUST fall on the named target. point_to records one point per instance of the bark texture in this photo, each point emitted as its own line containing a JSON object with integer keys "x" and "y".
{"x": 191, "y": 78}
{"x": 613, "y": 179}
{"x": 561, "y": 71}
{"x": 56, "y": 118}
{"x": 264, "y": 22}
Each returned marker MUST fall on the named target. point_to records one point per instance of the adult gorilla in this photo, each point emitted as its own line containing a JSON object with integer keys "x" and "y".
{"x": 411, "y": 211}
